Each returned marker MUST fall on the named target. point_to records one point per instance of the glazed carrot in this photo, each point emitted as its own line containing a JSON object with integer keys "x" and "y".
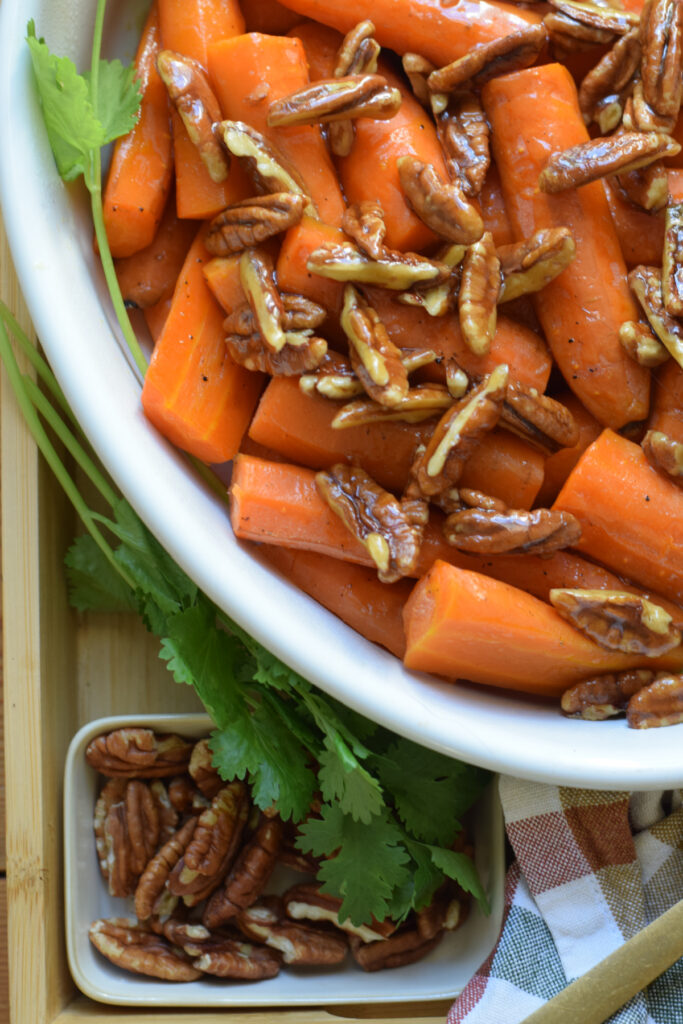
{"x": 667, "y": 404}
{"x": 677, "y": 134}
{"x": 321, "y": 44}
{"x": 141, "y": 170}
{"x": 150, "y": 275}
{"x": 193, "y": 393}
{"x": 441, "y": 32}
{"x": 156, "y": 316}
{"x": 190, "y": 26}
{"x": 292, "y": 273}
{"x": 248, "y": 73}
{"x": 269, "y": 16}
{"x": 222, "y": 274}
{"x": 507, "y": 468}
{"x": 533, "y": 114}
{"x": 559, "y": 465}
{"x": 640, "y": 234}
{"x": 675, "y": 186}
{"x": 493, "y": 210}
{"x": 197, "y": 195}
{"x": 631, "y": 516}
{"x": 463, "y": 625}
{"x": 352, "y": 592}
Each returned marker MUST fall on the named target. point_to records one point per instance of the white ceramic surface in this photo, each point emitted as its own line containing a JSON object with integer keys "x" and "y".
{"x": 51, "y": 241}
{"x": 441, "y": 975}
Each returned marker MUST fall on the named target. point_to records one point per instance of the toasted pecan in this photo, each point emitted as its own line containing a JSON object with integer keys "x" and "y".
{"x": 661, "y": 69}
{"x": 539, "y": 532}
{"x": 377, "y": 362}
{"x": 664, "y": 454}
{"x": 528, "y": 266}
{"x": 539, "y": 419}
{"x": 658, "y": 704}
{"x": 478, "y": 296}
{"x": 618, "y": 620}
{"x": 604, "y": 90}
{"x": 463, "y": 131}
{"x": 423, "y": 402}
{"x": 134, "y": 948}
{"x": 641, "y": 344}
{"x": 672, "y": 260}
{"x": 601, "y": 157}
{"x": 605, "y": 696}
{"x": 252, "y": 221}
{"x": 646, "y": 285}
{"x": 336, "y": 99}
{"x": 488, "y": 60}
{"x": 442, "y": 206}
{"x": 137, "y": 752}
{"x": 193, "y": 98}
{"x": 357, "y": 55}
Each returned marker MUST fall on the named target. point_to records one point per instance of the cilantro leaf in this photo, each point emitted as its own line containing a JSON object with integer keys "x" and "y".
{"x": 370, "y": 861}
{"x": 426, "y": 877}
{"x": 461, "y": 869}
{"x": 93, "y": 584}
{"x": 118, "y": 98}
{"x": 344, "y": 780}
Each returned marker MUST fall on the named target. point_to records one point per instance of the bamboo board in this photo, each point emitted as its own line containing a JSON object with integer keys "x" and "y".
{"x": 61, "y": 671}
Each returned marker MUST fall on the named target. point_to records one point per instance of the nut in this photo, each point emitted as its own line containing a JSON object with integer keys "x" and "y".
{"x": 417, "y": 69}
{"x": 364, "y": 223}
{"x": 440, "y": 299}
{"x": 252, "y": 221}
{"x": 306, "y": 902}
{"x": 658, "y": 704}
{"x": 604, "y": 90}
{"x": 249, "y": 875}
{"x": 639, "y": 115}
{"x": 301, "y": 352}
{"x": 618, "y": 620}
{"x": 672, "y": 261}
{"x": 647, "y": 187}
{"x": 202, "y": 771}
{"x": 357, "y": 55}
{"x": 258, "y": 282}
{"x": 539, "y": 532}
{"x": 661, "y": 69}
{"x": 132, "y": 947}
{"x": 569, "y": 36}
{"x": 463, "y": 132}
{"x": 528, "y": 266}
{"x": 646, "y": 285}
{"x": 375, "y": 359}
{"x": 605, "y": 18}
{"x": 333, "y": 378}
{"x": 406, "y": 947}
{"x": 601, "y": 157}
{"x": 374, "y": 517}
{"x": 641, "y": 344}
{"x": 539, "y": 419}
{"x": 193, "y": 98}
{"x": 488, "y": 60}
{"x": 421, "y": 403}
{"x": 230, "y": 958}
{"x": 336, "y": 99}
{"x": 664, "y": 454}
{"x": 299, "y": 944}
{"x": 476, "y": 499}
{"x": 131, "y": 753}
{"x": 604, "y": 697}
{"x": 397, "y": 271}
{"x": 152, "y": 895}
{"x": 478, "y": 297}
{"x": 442, "y": 207}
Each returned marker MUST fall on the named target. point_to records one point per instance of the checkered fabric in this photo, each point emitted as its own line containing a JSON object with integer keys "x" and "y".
{"x": 591, "y": 869}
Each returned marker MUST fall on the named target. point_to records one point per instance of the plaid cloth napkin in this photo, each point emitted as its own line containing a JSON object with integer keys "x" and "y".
{"x": 591, "y": 869}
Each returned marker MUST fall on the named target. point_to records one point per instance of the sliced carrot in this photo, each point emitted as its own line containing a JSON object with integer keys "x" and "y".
{"x": 193, "y": 392}
{"x": 197, "y": 195}
{"x": 640, "y": 234}
{"x": 559, "y": 465}
{"x": 293, "y": 274}
{"x": 352, "y": 592}
{"x": 533, "y": 114}
{"x": 667, "y": 405}
{"x": 506, "y": 467}
{"x": 156, "y": 316}
{"x": 248, "y": 73}
{"x": 631, "y": 515}
{"x": 150, "y": 275}
{"x": 493, "y": 209}
{"x": 269, "y": 16}
{"x": 190, "y": 26}
{"x": 675, "y": 178}
{"x": 141, "y": 169}
{"x": 462, "y": 625}
{"x": 222, "y": 275}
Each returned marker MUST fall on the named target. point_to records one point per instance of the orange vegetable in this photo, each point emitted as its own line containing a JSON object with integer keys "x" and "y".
{"x": 631, "y": 515}
{"x": 222, "y": 275}
{"x": 292, "y": 273}
{"x": 667, "y": 405}
{"x": 193, "y": 392}
{"x": 640, "y": 234}
{"x": 190, "y": 26}
{"x": 248, "y": 73}
{"x": 197, "y": 195}
{"x": 141, "y": 170}
{"x": 463, "y": 625}
{"x": 269, "y": 16}
{"x": 675, "y": 178}
{"x": 493, "y": 210}
{"x": 352, "y": 592}
{"x": 506, "y": 467}
{"x": 559, "y": 465}
{"x": 533, "y": 114}
{"x": 156, "y": 316}
{"x": 441, "y": 32}
{"x": 150, "y": 275}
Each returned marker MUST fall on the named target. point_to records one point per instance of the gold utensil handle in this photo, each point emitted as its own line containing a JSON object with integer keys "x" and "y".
{"x": 593, "y": 997}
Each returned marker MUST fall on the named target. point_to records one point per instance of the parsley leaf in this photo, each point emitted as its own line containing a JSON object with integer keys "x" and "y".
{"x": 118, "y": 98}
{"x": 462, "y": 870}
{"x": 93, "y": 583}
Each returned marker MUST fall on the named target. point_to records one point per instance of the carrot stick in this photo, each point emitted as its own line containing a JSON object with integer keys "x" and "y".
{"x": 533, "y": 114}
{"x": 248, "y": 73}
{"x": 352, "y": 592}
{"x": 505, "y": 467}
{"x": 198, "y": 197}
{"x": 463, "y": 625}
{"x": 222, "y": 274}
{"x": 675, "y": 186}
{"x": 493, "y": 210}
{"x": 193, "y": 392}
{"x": 667, "y": 406}
{"x": 150, "y": 275}
{"x": 141, "y": 170}
{"x": 631, "y": 516}
{"x": 269, "y": 16}
{"x": 559, "y": 465}
{"x": 156, "y": 316}
{"x": 190, "y": 26}
{"x": 441, "y": 32}
{"x": 292, "y": 273}
{"x": 640, "y": 234}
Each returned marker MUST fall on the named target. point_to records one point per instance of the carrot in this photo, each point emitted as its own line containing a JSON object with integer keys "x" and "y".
{"x": 156, "y": 316}
{"x": 640, "y": 234}
{"x": 505, "y": 467}
{"x": 190, "y": 26}
{"x": 493, "y": 210}
{"x": 193, "y": 393}
{"x": 150, "y": 275}
{"x": 441, "y": 32}
{"x": 677, "y": 134}
{"x": 292, "y": 273}
{"x": 667, "y": 405}
{"x": 197, "y": 195}
{"x": 352, "y": 592}
{"x": 141, "y": 170}
{"x": 269, "y": 16}
{"x": 559, "y": 465}
{"x": 222, "y": 274}
{"x": 675, "y": 186}
{"x": 248, "y": 73}
{"x": 533, "y": 114}
{"x": 631, "y": 516}
{"x": 463, "y": 625}
{"x": 321, "y": 44}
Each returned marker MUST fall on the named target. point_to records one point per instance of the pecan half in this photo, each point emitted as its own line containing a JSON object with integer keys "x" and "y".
{"x": 661, "y": 69}
{"x": 604, "y": 17}
{"x": 599, "y": 158}
{"x": 639, "y": 115}
{"x": 539, "y": 419}
{"x": 364, "y": 223}
{"x": 477, "y": 499}
{"x": 406, "y": 947}
{"x": 134, "y": 948}
{"x": 672, "y": 260}
{"x": 443, "y": 913}
{"x": 646, "y": 187}
{"x": 658, "y": 704}
{"x": 299, "y": 944}
{"x": 646, "y": 285}
{"x": 457, "y": 432}
{"x": 131, "y": 753}
{"x": 664, "y": 454}
{"x": 252, "y": 221}
{"x": 421, "y": 403}
{"x": 418, "y": 69}
{"x": 257, "y": 277}
{"x": 442, "y": 206}
{"x": 488, "y": 60}
{"x": 249, "y": 875}
{"x": 478, "y": 296}
{"x": 337, "y": 99}
{"x": 357, "y": 55}
{"x": 305, "y": 902}
{"x": 375, "y": 517}
{"x": 440, "y": 299}
{"x": 641, "y": 344}
{"x": 301, "y": 353}
{"x": 540, "y": 532}
{"x": 463, "y": 132}
{"x": 334, "y": 378}
{"x": 202, "y": 770}
{"x": 604, "y": 90}
{"x": 193, "y": 98}
{"x": 267, "y": 166}
{"x": 152, "y": 895}
{"x": 375, "y": 359}
{"x": 618, "y": 620}
{"x": 569, "y": 36}
{"x": 605, "y": 696}
{"x": 397, "y": 271}
{"x": 528, "y": 266}
{"x": 226, "y": 957}
{"x": 113, "y": 793}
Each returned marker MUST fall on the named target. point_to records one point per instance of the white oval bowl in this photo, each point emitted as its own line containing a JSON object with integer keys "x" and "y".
{"x": 51, "y": 239}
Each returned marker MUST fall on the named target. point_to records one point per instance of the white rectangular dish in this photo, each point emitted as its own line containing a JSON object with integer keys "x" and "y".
{"x": 439, "y": 976}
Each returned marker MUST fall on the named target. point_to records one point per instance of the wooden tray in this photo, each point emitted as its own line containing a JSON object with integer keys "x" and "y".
{"x": 62, "y": 670}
